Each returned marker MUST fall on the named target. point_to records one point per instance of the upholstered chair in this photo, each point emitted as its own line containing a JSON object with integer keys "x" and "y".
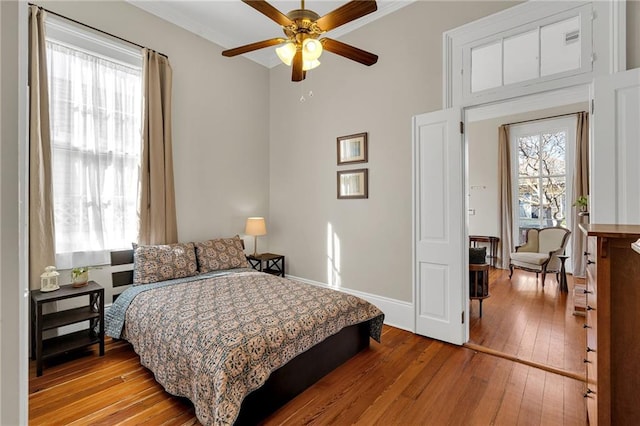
{"x": 540, "y": 252}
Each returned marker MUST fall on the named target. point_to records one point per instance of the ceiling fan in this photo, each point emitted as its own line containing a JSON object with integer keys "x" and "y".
{"x": 303, "y": 27}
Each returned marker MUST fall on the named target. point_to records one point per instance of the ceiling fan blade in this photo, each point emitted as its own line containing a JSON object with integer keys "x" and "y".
{"x": 349, "y": 52}
{"x": 269, "y": 11}
{"x": 253, "y": 46}
{"x": 346, "y": 13}
{"x": 297, "y": 73}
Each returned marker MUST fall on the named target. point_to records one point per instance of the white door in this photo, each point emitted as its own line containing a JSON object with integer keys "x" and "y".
{"x": 439, "y": 249}
{"x": 615, "y": 149}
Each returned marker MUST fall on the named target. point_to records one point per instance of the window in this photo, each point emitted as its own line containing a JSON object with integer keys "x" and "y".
{"x": 95, "y": 102}
{"x": 542, "y": 163}
{"x": 547, "y": 50}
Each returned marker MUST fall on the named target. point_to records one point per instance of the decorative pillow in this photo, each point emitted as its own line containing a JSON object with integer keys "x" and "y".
{"x": 163, "y": 262}
{"x": 221, "y": 253}
{"x": 477, "y": 255}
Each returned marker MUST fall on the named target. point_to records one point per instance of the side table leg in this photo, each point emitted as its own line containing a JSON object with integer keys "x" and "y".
{"x": 38, "y": 327}
{"x": 101, "y": 307}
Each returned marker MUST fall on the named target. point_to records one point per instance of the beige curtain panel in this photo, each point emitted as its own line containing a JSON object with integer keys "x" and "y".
{"x": 157, "y": 205}
{"x": 41, "y": 225}
{"x": 580, "y": 188}
{"x": 505, "y": 198}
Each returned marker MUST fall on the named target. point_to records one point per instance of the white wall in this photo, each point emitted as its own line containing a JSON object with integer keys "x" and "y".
{"x": 10, "y": 380}
{"x": 220, "y": 122}
{"x": 373, "y": 235}
{"x": 482, "y": 138}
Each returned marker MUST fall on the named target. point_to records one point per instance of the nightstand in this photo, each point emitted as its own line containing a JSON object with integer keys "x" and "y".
{"x": 268, "y": 262}
{"x": 93, "y": 312}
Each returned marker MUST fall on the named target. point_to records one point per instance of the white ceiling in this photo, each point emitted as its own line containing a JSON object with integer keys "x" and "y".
{"x": 231, "y": 23}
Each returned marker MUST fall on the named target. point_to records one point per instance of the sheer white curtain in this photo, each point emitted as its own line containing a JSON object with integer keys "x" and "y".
{"x": 96, "y": 141}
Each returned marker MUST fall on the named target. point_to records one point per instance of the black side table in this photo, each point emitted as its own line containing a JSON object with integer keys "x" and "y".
{"x": 479, "y": 282}
{"x": 267, "y": 262}
{"x": 563, "y": 274}
{"x": 92, "y": 312}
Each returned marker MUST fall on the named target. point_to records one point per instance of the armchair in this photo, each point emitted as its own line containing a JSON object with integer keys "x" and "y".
{"x": 540, "y": 252}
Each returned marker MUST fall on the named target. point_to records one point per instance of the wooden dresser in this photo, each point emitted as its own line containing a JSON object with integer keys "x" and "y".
{"x": 612, "y": 324}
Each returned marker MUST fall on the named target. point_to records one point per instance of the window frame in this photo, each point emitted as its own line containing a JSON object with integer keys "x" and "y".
{"x": 516, "y": 131}
{"x": 94, "y": 43}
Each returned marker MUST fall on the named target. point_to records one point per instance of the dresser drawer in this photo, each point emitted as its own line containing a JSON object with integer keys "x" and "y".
{"x": 590, "y": 259}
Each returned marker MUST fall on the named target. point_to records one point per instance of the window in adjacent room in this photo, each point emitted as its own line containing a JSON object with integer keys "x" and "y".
{"x": 542, "y": 163}
{"x": 95, "y": 112}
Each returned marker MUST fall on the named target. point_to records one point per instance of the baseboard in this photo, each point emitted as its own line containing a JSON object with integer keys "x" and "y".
{"x": 397, "y": 313}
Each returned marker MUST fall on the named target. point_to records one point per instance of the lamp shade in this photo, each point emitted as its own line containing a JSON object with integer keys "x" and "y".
{"x": 309, "y": 65}
{"x": 286, "y": 52}
{"x": 255, "y": 226}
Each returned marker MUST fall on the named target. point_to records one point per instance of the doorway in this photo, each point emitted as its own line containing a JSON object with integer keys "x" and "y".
{"x": 520, "y": 319}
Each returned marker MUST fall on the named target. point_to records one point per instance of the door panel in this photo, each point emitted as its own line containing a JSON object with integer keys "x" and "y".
{"x": 439, "y": 249}
{"x": 615, "y": 151}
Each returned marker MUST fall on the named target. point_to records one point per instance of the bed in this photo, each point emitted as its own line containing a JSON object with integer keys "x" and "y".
{"x": 236, "y": 342}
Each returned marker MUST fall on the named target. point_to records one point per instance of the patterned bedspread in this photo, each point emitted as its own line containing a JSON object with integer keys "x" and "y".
{"x": 215, "y": 340}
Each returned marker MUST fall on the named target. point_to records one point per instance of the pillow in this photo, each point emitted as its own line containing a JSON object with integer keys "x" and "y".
{"x": 477, "y": 255}
{"x": 163, "y": 262}
{"x": 221, "y": 253}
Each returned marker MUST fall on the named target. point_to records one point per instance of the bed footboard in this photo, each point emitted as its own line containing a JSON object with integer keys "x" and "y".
{"x": 303, "y": 371}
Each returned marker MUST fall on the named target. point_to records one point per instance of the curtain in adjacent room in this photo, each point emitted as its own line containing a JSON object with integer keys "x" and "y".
{"x": 505, "y": 197}
{"x": 157, "y": 210}
{"x": 580, "y": 188}
{"x": 41, "y": 224}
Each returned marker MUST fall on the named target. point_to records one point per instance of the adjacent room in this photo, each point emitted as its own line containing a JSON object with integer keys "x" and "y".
{"x": 319, "y": 212}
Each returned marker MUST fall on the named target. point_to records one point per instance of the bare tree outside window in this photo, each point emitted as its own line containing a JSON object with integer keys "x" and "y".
{"x": 542, "y": 180}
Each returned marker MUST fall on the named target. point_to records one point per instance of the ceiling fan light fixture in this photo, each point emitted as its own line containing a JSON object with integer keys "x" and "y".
{"x": 311, "y": 49}
{"x": 309, "y": 65}
{"x": 286, "y": 52}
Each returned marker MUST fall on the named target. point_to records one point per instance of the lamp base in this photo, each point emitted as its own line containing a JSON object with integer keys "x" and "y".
{"x": 255, "y": 245}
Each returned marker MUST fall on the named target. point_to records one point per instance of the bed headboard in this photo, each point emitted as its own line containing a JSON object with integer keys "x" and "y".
{"x": 121, "y": 278}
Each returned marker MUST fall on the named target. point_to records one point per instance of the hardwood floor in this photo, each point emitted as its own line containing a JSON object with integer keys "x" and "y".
{"x": 406, "y": 380}
{"x": 523, "y": 319}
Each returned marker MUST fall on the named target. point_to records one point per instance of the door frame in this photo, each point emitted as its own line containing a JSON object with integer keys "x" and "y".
{"x": 609, "y": 43}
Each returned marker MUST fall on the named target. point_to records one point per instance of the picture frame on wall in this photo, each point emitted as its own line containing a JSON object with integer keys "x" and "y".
{"x": 352, "y": 149}
{"x": 353, "y": 184}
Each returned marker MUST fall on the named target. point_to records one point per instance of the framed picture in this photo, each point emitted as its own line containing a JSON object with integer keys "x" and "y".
{"x": 353, "y": 184}
{"x": 352, "y": 149}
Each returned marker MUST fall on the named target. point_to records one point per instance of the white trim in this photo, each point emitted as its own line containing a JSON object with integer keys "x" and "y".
{"x": 618, "y": 35}
{"x": 23, "y": 213}
{"x": 397, "y": 313}
{"x": 72, "y": 35}
{"x": 608, "y": 47}
{"x": 535, "y": 102}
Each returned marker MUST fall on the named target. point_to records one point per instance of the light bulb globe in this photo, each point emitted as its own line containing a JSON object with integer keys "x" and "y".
{"x": 311, "y": 49}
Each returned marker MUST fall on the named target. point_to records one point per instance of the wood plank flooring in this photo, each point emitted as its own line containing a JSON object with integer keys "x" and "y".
{"x": 405, "y": 380}
{"x": 523, "y": 319}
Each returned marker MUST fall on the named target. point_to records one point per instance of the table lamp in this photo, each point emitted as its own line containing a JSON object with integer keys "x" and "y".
{"x": 255, "y": 226}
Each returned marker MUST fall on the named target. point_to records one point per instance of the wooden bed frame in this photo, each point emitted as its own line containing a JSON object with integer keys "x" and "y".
{"x": 291, "y": 379}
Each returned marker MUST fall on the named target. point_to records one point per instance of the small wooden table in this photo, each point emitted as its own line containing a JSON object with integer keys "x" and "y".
{"x": 267, "y": 262}
{"x": 493, "y": 246}
{"x": 479, "y": 282}
{"x": 92, "y": 312}
{"x": 563, "y": 274}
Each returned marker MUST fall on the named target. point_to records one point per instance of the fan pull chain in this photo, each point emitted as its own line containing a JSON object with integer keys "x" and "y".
{"x": 302, "y": 98}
